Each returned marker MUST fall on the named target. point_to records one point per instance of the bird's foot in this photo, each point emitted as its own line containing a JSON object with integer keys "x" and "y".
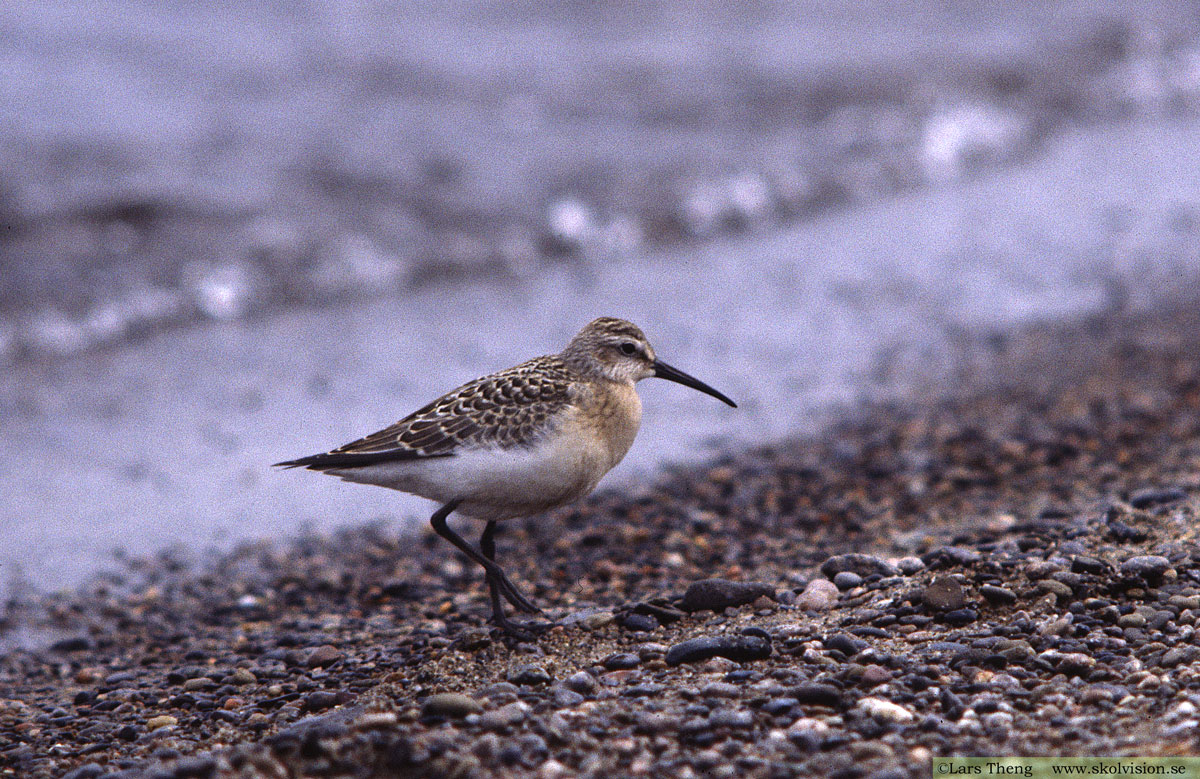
{"x": 522, "y": 631}
{"x": 513, "y": 595}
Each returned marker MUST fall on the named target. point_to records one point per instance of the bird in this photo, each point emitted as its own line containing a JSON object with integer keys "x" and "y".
{"x": 514, "y": 443}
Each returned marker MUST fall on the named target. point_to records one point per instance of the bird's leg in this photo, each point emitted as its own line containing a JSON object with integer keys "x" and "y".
{"x": 487, "y": 545}
{"x": 494, "y": 572}
{"x": 526, "y": 631}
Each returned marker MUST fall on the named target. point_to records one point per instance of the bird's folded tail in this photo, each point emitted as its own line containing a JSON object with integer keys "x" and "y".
{"x": 329, "y": 460}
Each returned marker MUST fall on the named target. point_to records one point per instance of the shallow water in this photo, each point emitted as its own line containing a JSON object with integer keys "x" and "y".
{"x": 167, "y": 441}
{"x": 164, "y": 163}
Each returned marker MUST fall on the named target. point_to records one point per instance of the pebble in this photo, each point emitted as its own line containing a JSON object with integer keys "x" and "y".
{"x": 719, "y": 594}
{"x": 507, "y": 716}
{"x": 620, "y": 661}
{"x": 529, "y": 675}
{"x": 817, "y": 694}
{"x": 886, "y": 711}
{"x": 847, "y": 580}
{"x": 323, "y": 656}
{"x": 846, "y": 644}
{"x": 997, "y": 596}
{"x": 737, "y": 648}
{"x": 1147, "y": 567}
{"x": 862, "y": 564}
{"x": 642, "y": 623}
{"x": 450, "y": 704}
{"x": 910, "y": 565}
{"x": 564, "y": 697}
{"x": 580, "y": 681}
{"x": 1076, "y": 664}
{"x": 1143, "y": 499}
{"x": 820, "y": 595}
{"x": 944, "y": 594}
{"x": 161, "y": 721}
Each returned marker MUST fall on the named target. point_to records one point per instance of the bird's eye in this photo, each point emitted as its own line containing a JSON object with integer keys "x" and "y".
{"x": 628, "y": 348}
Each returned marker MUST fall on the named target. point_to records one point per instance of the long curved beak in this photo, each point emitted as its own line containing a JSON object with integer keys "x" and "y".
{"x": 664, "y": 371}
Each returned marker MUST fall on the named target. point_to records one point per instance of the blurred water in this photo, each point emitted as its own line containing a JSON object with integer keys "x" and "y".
{"x": 167, "y": 162}
{"x": 168, "y": 441}
{"x": 291, "y": 224}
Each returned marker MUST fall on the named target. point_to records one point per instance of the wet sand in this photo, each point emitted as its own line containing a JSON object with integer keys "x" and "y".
{"x": 1010, "y": 571}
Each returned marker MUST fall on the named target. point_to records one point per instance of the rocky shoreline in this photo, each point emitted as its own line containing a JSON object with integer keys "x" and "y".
{"x": 1011, "y": 571}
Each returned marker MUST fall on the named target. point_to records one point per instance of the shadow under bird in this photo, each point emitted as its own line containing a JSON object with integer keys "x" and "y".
{"x": 515, "y": 443}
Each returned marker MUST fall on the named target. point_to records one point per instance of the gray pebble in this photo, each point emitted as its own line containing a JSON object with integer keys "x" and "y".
{"x": 819, "y": 595}
{"x": 847, "y": 580}
{"x": 529, "y": 675}
{"x": 450, "y": 704}
{"x": 507, "y": 716}
{"x": 580, "y": 681}
{"x": 944, "y": 594}
{"x": 1146, "y": 566}
{"x": 718, "y": 594}
{"x": 861, "y": 564}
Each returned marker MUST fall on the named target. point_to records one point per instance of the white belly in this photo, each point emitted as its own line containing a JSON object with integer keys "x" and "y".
{"x": 495, "y": 483}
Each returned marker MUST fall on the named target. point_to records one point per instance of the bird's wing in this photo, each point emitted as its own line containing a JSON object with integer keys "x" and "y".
{"x": 505, "y": 409}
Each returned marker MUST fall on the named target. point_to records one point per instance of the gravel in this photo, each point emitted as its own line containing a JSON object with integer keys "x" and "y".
{"x": 1020, "y": 574}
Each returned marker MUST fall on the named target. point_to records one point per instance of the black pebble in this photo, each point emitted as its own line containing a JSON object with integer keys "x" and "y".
{"x": 718, "y": 594}
{"x": 639, "y": 622}
{"x": 736, "y": 648}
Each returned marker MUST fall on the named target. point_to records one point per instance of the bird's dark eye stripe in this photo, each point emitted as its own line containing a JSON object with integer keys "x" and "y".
{"x": 628, "y": 348}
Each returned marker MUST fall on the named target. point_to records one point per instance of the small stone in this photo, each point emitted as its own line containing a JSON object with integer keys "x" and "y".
{"x": 376, "y": 720}
{"x": 846, "y": 644}
{"x": 729, "y": 718}
{"x": 86, "y": 771}
{"x": 886, "y": 711}
{"x": 817, "y": 694}
{"x": 198, "y": 684}
{"x": 847, "y": 580}
{"x": 910, "y": 565}
{"x": 1153, "y": 497}
{"x": 997, "y": 596}
{"x": 565, "y": 698}
{"x": 323, "y": 656}
{"x": 581, "y": 681}
{"x": 1092, "y": 565}
{"x": 161, "y": 721}
{"x": 719, "y": 594}
{"x": 720, "y": 690}
{"x": 72, "y": 644}
{"x": 450, "y": 704}
{"x": 740, "y": 649}
{"x": 1056, "y": 588}
{"x": 946, "y": 556}
{"x": 862, "y": 564}
{"x": 319, "y": 700}
{"x": 529, "y": 675}
{"x": 242, "y": 676}
{"x": 1146, "y": 567}
{"x": 641, "y": 623}
{"x": 504, "y": 717}
{"x": 875, "y": 675}
{"x": 620, "y": 661}
{"x": 1076, "y": 664}
{"x": 944, "y": 594}
{"x": 819, "y": 595}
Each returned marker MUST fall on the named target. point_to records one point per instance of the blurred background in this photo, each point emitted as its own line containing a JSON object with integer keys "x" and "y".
{"x": 236, "y": 233}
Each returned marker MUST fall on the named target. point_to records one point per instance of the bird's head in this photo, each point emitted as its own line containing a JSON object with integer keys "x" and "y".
{"x": 618, "y": 350}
